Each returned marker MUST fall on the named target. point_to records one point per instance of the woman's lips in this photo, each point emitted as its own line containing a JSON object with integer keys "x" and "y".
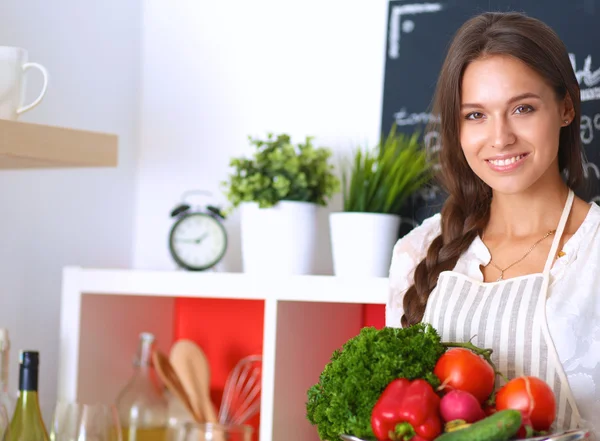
{"x": 508, "y": 163}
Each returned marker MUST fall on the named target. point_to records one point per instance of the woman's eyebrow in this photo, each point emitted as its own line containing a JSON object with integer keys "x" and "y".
{"x": 519, "y": 97}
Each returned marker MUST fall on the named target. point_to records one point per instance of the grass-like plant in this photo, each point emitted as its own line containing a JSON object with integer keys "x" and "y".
{"x": 380, "y": 180}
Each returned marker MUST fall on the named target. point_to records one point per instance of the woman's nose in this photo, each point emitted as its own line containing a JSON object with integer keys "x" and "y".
{"x": 502, "y": 133}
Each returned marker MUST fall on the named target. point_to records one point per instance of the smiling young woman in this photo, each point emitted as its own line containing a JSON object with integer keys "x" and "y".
{"x": 511, "y": 262}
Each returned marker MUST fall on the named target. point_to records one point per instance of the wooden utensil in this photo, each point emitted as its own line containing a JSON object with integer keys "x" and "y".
{"x": 169, "y": 377}
{"x": 191, "y": 365}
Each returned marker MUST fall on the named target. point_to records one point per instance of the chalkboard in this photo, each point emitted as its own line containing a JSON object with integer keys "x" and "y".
{"x": 418, "y": 35}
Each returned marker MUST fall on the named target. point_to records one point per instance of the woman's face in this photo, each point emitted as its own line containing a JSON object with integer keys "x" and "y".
{"x": 510, "y": 124}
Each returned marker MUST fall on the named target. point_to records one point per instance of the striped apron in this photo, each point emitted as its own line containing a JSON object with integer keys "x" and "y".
{"x": 509, "y": 317}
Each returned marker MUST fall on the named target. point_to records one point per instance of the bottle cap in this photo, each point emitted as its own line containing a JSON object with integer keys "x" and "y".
{"x": 30, "y": 359}
{"x": 147, "y": 336}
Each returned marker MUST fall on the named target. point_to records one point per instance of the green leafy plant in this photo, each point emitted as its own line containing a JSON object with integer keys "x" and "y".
{"x": 279, "y": 170}
{"x": 381, "y": 179}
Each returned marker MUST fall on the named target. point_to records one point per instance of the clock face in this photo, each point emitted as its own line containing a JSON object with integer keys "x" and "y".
{"x": 198, "y": 241}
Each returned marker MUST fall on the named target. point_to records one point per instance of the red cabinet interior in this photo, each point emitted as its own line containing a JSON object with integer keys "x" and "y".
{"x": 374, "y": 315}
{"x": 228, "y": 330}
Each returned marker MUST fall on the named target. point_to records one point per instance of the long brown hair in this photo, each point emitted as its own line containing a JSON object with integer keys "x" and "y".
{"x": 466, "y": 211}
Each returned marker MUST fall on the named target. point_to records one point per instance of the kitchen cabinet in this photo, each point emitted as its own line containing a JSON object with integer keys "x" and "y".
{"x": 304, "y": 319}
{"x": 26, "y": 145}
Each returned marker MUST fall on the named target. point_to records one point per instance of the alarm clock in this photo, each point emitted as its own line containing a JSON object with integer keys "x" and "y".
{"x": 198, "y": 239}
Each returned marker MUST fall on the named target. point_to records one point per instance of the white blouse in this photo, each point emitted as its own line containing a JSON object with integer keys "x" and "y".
{"x": 573, "y": 308}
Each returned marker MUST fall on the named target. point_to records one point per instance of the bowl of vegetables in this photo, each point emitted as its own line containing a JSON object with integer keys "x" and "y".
{"x": 405, "y": 384}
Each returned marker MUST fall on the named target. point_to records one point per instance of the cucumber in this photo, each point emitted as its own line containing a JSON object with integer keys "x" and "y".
{"x": 500, "y": 426}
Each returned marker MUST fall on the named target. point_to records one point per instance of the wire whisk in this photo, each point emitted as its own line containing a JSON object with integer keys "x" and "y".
{"x": 241, "y": 396}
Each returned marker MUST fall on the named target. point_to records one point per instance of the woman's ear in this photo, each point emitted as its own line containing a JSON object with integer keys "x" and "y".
{"x": 567, "y": 111}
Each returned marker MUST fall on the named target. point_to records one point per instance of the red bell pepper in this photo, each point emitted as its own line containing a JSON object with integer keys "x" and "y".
{"x": 407, "y": 410}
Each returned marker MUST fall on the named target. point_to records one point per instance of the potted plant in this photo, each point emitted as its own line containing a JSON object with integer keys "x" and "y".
{"x": 375, "y": 185}
{"x": 278, "y": 190}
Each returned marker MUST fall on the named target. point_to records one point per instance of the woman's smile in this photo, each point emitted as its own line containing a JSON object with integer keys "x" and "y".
{"x": 507, "y": 163}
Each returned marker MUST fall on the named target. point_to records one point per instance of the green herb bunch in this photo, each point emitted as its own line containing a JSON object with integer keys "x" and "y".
{"x": 278, "y": 171}
{"x": 381, "y": 179}
{"x": 351, "y": 383}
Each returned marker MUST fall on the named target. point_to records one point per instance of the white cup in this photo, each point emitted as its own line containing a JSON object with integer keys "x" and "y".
{"x": 13, "y": 67}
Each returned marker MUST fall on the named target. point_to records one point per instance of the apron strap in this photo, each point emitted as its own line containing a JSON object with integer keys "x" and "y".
{"x": 559, "y": 231}
{"x": 554, "y": 358}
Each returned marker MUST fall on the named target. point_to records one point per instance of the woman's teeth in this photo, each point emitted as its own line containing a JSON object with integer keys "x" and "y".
{"x": 507, "y": 161}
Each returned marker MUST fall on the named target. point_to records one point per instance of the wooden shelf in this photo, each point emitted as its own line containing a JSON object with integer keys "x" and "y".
{"x": 25, "y": 145}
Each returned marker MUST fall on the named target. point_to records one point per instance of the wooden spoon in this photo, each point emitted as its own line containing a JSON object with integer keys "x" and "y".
{"x": 191, "y": 365}
{"x": 169, "y": 377}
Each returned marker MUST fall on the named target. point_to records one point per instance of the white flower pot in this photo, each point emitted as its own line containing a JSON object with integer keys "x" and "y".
{"x": 280, "y": 239}
{"x": 362, "y": 243}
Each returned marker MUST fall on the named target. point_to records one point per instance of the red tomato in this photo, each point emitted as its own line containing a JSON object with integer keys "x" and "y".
{"x": 464, "y": 370}
{"x": 533, "y": 397}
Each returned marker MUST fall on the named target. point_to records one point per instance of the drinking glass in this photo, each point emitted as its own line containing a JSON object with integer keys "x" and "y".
{"x": 85, "y": 422}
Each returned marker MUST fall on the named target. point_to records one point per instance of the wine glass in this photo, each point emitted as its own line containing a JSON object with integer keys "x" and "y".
{"x": 64, "y": 422}
{"x": 85, "y": 422}
{"x": 4, "y": 423}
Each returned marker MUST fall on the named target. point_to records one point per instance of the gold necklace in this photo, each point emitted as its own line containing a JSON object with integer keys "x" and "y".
{"x": 524, "y": 256}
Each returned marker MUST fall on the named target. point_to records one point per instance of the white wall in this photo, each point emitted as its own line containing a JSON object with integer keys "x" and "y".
{"x": 215, "y": 72}
{"x": 54, "y": 218}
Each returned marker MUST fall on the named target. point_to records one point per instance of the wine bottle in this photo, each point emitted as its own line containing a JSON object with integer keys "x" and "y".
{"x": 27, "y": 423}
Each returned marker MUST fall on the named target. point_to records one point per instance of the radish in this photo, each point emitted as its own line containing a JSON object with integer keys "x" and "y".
{"x": 461, "y": 405}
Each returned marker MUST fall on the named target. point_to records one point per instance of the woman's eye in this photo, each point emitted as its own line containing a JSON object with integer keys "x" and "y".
{"x": 523, "y": 109}
{"x": 474, "y": 115}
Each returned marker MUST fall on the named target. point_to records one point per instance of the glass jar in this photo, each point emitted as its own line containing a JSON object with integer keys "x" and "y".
{"x": 142, "y": 407}
{"x": 212, "y": 432}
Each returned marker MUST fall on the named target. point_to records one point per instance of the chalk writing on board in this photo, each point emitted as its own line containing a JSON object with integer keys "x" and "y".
{"x": 587, "y": 77}
{"x": 433, "y": 144}
{"x": 431, "y": 138}
{"x": 395, "y": 22}
{"x": 408, "y": 26}
{"x": 403, "y": 118}
{"x": 587, "y": 166}
{"x": 589, "y": 126}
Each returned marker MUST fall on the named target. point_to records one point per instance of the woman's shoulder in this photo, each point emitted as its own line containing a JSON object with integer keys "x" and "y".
{"x": 418, "y": 239}
{"x": 408, "y": 252}
{"x": 592, "y": 220}
{"x": 593, "y": 216}
{"x": 586, "y": 238}
{"x": 579, "y": 258}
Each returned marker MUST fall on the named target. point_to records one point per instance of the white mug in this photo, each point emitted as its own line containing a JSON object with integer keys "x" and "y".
{"x": 13, "y": 67}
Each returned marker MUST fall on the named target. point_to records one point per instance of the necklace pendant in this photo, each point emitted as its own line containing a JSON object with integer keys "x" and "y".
{"x": 500, "y": 278}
